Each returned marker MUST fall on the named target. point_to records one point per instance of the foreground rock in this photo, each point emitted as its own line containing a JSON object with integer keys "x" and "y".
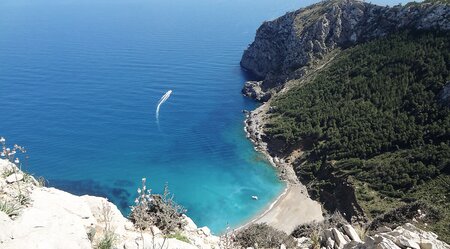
{"x": 52, "y": 218}
{"x": 406, "y": 236}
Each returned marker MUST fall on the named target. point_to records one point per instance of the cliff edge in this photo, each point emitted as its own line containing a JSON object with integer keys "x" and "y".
{"x": 32, "y": 216}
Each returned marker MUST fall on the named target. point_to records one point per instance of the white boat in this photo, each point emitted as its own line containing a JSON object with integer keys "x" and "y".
{"x": 254, "y": 197}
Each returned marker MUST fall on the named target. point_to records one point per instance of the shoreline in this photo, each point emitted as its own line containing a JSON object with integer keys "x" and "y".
{"x": 294, "y": 198}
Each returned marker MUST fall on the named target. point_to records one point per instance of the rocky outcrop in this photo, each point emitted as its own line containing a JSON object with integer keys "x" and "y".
{"x": 405, "y": 236}
{"x": 252, "y": 89}
{"x": 51, "y": 218}
{"x": 284, "y": 46}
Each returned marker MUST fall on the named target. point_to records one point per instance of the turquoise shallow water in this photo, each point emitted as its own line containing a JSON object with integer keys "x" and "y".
{"x": 80, "y": 81}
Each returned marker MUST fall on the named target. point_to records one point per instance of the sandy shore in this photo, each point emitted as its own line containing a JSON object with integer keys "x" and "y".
{"x": 291, "y": 209}
{"x": 294, "y": 206}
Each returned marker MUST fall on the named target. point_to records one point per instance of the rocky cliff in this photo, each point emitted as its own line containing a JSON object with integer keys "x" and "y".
{"x": 284, "y": 46}
{"x": 32, "y": 216}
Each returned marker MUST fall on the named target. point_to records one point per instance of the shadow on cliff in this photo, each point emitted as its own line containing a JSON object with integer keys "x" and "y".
{"x": 117, "y": 194}
{"x": 250, "y": 76}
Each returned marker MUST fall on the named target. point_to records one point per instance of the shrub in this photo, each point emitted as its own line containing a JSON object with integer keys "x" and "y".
{"x": 158, "y": 210}
{"x": 311, "y": 229}
{"x": 140, "y": 212}
{"x": 166, "y": 212}
{"x": 404, "y": 214}
{"x": 263, "y": 236}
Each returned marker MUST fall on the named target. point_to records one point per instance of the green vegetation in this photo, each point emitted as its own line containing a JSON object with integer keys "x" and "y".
{"x": 108, "y": 237}
{"x": 374, "y": 118}
{"x": 263, "y": 236}
{"x": 107, "y": 241}
{"x": 179, "y": 237}
{"x": 8, "y": 208}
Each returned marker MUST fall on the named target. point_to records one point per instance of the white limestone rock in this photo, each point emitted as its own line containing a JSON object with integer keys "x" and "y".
{"x": 205, "y": 231}
{"x": 383, "y": 243}
{"x": 190, "y": 225}
{"x": 339, "y": 238}
{"x": 16, "y": 177}
{"x": 401, "y": 241}
{"x": 56, "y": 219}
{"x": 303, "y": 242}
{"x": 330, "y": 243}
{"x": 350, "y": 231}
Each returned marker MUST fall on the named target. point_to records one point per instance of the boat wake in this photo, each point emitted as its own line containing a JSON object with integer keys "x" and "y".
{"x": 161, "y": 101}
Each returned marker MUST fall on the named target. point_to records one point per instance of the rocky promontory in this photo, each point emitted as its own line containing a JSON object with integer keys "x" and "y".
{"x": 285, "y": 47}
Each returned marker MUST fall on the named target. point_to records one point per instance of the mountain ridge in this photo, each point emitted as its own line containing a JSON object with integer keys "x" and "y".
{"x": 285, "y": 47}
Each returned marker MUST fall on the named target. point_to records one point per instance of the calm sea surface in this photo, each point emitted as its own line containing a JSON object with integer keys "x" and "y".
{"x": 79, "y": 85}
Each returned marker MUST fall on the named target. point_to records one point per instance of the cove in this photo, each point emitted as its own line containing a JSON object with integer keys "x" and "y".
{"x": 80, "y": 81}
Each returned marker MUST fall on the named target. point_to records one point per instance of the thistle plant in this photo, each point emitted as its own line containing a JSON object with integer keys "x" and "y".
{"x": 12, "y": 156}
{"x": 152, "y": 210}
{"x": 140, "y": 212}
{"x": 109, "y": 238}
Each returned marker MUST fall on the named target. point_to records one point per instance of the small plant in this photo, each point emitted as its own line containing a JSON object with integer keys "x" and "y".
{"x": 91, "y": 234}
{"x": 361, "y": 230}
{"x": 11, "y": 156}
{"x": 7, "y": 172}
{"x": 107, "y": 241}
{"x": 315, "y": 238}
{"x": 42, "y": 182}
{"x": 140, "y": 212}
{"x": 8, "y": 208}
{"x": 23, "y": 199}
{"x": 179, "y": 237}
{"x": 108, "y": 238}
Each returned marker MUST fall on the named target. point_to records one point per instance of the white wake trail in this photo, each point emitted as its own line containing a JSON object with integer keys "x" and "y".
{"x": 161, "y": 101}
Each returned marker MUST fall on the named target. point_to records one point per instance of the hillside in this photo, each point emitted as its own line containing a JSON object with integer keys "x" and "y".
{"x": 285, "y": 47}
{"x": 363, "y": 117}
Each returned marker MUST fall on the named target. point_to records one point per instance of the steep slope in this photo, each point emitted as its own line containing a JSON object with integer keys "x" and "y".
{"x": 374, "y": 118}
{"x": 369, "y": 131}
{"x": 284, "y": 46}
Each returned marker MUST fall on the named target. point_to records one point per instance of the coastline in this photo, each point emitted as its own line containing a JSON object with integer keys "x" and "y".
{"x": 292, "y": 206}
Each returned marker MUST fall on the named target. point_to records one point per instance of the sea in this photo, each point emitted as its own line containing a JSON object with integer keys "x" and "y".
{"x": 80, "y": 82}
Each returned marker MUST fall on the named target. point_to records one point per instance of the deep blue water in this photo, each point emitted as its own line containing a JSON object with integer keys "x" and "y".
{"x": 79, "y": 84}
